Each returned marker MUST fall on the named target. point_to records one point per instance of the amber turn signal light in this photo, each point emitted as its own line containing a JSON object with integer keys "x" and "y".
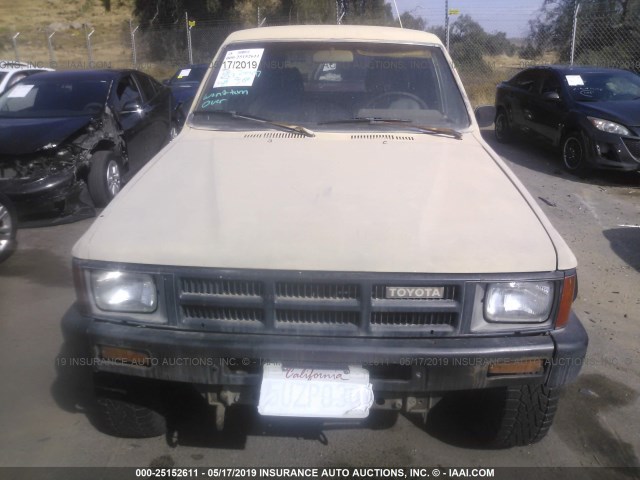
{"x": 124, "y": 355}
{"x": 568, "y": 295}
{"x": 517, "y": 367}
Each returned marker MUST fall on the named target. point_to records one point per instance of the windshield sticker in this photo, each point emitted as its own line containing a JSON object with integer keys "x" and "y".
{"x": 574, "y": 80}
{"x": 216, "y": 98}
{"x": 184, "y": 73}
{"x": 239, "y": 68}
{"x": 20, "y": 91}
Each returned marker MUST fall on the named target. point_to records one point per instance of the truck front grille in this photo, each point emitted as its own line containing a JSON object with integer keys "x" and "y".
{"x": 413, "y": 319}
{"x": 221, "y": 313}
{"x": 319, "y": 317}
{"x": 306, "y": 303}
{"x": 202, "y": 286}
{"x": 317, "y": 290}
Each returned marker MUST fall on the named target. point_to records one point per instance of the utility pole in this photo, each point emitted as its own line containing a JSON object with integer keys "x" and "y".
{"x": 189, "y": 46}
{"x": 575, "y": 27}
{"x": 89, "y": 50}
{"x": 133, "y": 43}
{"x": 446, "y": 22}
{"x": 14, "y": 39}
{"x": 52, "y": 58}
{"x": 398, "y": 13}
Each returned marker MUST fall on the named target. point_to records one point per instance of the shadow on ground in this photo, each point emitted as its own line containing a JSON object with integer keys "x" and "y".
{"x": 38, "y": 265}
{"x": 541, "y": 157}
{"x": 461, "y": 419}
{"x": 190, "y": 419}
{"x": 581, "y": 421}
{"x": 625, "y": 242}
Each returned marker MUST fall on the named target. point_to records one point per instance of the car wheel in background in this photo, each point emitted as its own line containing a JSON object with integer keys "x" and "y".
{"x": 8, "y": 227}
{"x": 574, "y": 153}
{"x": 174, "y": 130}
{"x": 105, "y": 177}
{"x": 503, "y": 131}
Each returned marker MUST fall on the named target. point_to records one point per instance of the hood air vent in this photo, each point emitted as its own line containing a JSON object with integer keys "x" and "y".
{"x": 381, "y": 137}
{"x": 275, "y": 135}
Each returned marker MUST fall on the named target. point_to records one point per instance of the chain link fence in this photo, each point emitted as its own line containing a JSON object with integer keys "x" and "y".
{"x": 482, "y": 59}
{"x": 608, "y": 41}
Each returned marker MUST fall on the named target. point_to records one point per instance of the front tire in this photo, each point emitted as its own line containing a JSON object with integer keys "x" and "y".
{"x": 105, "y": 178}
{"x": 8, "y": 228}
{"x": 520, "y": 415}
{"x": 174, "y": 130}
{"x": 503, "y": 130}
{"x": 121, "y": 410}
{"x": 574, "y": 153}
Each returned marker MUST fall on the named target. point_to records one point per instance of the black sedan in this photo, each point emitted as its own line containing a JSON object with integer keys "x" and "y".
{"x": 65, "y": 133}
{"x": 184, "y": 86}
{"x": 591, "y": 113}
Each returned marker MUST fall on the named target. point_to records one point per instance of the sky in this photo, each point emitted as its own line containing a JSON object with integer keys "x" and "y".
{"x": 509, "y": 16}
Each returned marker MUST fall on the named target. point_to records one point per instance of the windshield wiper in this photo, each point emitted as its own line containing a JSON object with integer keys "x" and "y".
{"x": 448, "y": 132}
{"x": 445, "y": 131}
{"x": 243, "y": 116}
{"x": 369, "y": 120}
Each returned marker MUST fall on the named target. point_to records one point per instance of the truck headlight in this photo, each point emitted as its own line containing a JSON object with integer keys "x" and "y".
{"x": 607, "y": 126}
{"x": 116, "y": 291}
{"x": 518, "y": 302}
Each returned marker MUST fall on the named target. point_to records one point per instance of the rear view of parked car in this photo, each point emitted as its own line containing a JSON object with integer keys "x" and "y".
{"x": 62, "y": 133}
{"x": 12, "y": 72}
{"x": 592, "y": 114}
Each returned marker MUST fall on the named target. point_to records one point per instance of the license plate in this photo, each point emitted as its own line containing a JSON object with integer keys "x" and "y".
{"x": 310, "y": 392}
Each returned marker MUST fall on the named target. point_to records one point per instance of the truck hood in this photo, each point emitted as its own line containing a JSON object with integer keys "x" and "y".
{"x": 334, "y": 202}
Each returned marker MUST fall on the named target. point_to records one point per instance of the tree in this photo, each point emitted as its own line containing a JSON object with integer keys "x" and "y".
{"x": 414, "y": 23}
{"x": 607, "y": 33}
{"x": 163, "y": 12}
{"x": 468, "y": 42}
{"x": 161, "y": 43}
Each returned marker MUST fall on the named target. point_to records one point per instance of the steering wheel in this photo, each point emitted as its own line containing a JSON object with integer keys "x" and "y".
{"x": 388, "y": 98}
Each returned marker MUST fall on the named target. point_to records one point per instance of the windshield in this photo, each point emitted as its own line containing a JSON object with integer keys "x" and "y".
{"x": 604, "y": 86}
{"x": 54, "y": 97}
{"x": 191, "y": 74}
{"x": 313, "y": 84}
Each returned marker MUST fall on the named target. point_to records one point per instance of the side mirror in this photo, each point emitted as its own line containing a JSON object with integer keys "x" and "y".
{"x": 551, "y": 96}
{"x": 181, "y": 111}
{"x": 485, "y": 115}
{"x": 132, "y": 106}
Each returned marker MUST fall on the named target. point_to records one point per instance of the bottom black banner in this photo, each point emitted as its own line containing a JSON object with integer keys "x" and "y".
{"x": 295, "y": 473}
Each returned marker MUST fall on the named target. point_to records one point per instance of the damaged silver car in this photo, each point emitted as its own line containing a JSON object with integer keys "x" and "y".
{"x": 70, "y": 140}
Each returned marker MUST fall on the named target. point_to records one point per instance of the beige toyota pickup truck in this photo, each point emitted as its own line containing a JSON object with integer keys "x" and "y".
{"x": 329, "y": 234}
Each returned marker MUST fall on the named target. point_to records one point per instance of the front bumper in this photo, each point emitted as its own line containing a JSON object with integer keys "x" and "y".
{"x": 613, "y": 152}
{"x": 52, "y": 196}
{"x": 405, "y": 365}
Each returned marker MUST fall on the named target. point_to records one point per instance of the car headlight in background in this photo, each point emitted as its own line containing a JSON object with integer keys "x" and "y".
{"x": 607, "y": 126}
{"x": 518, "y": 302}
{"x": 116, "y": 291}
